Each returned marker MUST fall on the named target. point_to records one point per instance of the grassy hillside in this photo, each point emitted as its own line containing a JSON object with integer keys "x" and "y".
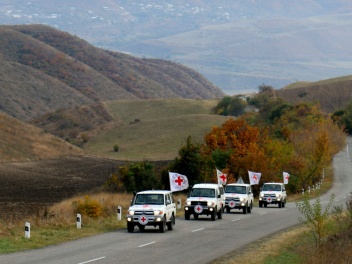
{"x": 43, "y": 69}
{"x": 152, "y": 129}
{"x": 332, "y": 94}
{"x": 20, "y": 142}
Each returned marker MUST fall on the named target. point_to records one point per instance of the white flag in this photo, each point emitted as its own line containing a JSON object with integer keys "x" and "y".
{"x": 254, "y": 177}
{"x": 178, "y": 182}
{"x": 222, "y": 177}
{"x": 286, "y": 177}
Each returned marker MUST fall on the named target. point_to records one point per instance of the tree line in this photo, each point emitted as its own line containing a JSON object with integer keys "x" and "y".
{"x": 269, "y": 135}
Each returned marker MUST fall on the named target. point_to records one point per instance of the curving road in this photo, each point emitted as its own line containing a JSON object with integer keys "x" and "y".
{"x": 194, "y": 241}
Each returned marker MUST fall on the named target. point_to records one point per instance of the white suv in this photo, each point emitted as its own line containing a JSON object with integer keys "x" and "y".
{"x": 239, "y": 196}
{"x": 152, "y": 208}
{"x": 205, "y": 199}
{"x": 272, "y": 193}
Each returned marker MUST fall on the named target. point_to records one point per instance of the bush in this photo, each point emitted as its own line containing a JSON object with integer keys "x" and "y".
{"x": 91, "y": 208}
{"x": 116, "y": 148}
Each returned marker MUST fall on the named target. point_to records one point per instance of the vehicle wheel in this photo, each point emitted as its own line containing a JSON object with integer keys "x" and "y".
{"x": 220, "y": 214}
{"x": 141, "y": 227}
{"x": 260, "y": 204}
{"x": 228, "y": 209}
{"x": 196, "y": 216}
{"x": 244, "y": 209}
{"x": 213, "y": 215}
{"x": 280, "y": 204}
{"x": 162, "y": 226}
{"x": 170, "y": 225}
{"x": 130, "y": 227}
{"x": 249, "y": 208}
{"x": 265, "y": 205}
{"x": 284, "y": 204}
{"x": 186, "y": 216}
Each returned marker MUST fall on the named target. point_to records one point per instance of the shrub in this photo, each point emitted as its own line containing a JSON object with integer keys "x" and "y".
{"x": 89, "y": 207}
{"x": 116, "y": 148}
{"x": 315, "y": 218}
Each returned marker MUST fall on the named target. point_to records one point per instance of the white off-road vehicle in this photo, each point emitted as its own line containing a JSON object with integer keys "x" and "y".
{"x": 152, "y": 208}
{"x": 273, "y": 193}
{"x": 239, "y": 196}
{"x": 205, "y": 199}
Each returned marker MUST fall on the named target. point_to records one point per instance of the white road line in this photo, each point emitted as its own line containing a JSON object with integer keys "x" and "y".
{"x": 263, "y": 214}
{"x": 198, "y": 230}
{"x": 91, "y": 260}
{"x": 236, "y": 219}
{"x": 146, "y": 244}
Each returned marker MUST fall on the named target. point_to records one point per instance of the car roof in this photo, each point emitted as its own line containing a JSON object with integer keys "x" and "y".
{"x": 267, "y": 183}
{"x": 154, "y": 191}
{"x": 206, "y": 185}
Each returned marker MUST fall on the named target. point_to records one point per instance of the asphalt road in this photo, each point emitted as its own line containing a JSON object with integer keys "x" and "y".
{"x": 193, "y": 241}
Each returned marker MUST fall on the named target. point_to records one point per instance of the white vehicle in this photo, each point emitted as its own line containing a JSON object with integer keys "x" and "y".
{"x": 239, "y": 196}
{"x": 152, "y": 208}
{"x": 205, "y": 199}
{"x": 272, "y": 193}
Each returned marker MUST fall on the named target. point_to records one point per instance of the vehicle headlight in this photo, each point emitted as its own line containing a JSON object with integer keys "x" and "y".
{"x": 158, "y": 212}
{"x": 210, "y": 203}
{"x": 131, "y": 212}
{"x": 278, "y": 195}
{"x": 261, "y": 194}
{"x": 188, "y": 202}
{"x": 242, "y": 199}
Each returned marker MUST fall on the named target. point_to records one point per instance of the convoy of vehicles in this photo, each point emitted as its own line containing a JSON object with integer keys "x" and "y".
{"x": 158, "y": 209}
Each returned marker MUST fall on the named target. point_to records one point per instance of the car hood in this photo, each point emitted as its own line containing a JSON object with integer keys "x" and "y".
{"x": 146, "y": 207}
{"x": 201, "y": 199}
{"x": 234, "y": 195}
{"x": 270, "y": 192}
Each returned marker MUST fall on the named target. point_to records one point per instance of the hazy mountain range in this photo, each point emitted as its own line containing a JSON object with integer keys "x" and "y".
{"x": 237, "y": 45}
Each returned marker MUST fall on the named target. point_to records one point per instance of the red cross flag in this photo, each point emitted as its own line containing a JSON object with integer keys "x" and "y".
{"x": 254, "y": 177}
{"x": 178, "y": 182}
{"x": 222, "y": 177}
{"x": 286, "y": 177}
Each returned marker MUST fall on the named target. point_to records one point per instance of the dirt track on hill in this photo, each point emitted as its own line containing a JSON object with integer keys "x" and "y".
{"x": 27, "y": 187}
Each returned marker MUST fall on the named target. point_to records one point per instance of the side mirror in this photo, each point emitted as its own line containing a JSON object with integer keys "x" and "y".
{"x": 168, "y": 202}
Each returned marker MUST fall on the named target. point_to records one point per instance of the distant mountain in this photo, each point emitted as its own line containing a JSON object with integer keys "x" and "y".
{"x": 238, "y": 45}
{"x": 43, "y": 69}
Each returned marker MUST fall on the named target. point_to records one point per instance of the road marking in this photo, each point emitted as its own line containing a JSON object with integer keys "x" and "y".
{"x": 91, "y": 260}
{"x": 146, "y": 244}
{"x": 236, "y": 219}
{"x": 263, "y": 214}
{"x": 198, "y": 230}
{"x": 284, "y": 210}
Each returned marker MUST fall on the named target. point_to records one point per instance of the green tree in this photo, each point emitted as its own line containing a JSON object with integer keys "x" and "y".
{"x": 230, "y": 105}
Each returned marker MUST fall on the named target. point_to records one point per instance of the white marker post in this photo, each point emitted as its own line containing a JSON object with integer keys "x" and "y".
{"x": 79, "y": 221}
{"x": 179, "y": 204}
{"x": 119, "y": 213}
{"x": 27, "y": 230}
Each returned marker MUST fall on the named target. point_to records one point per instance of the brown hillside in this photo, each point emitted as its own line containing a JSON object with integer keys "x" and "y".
{"x": 332, "y": 94}
{"x": 46, "y": 66}
{"x": 20, "y": 142}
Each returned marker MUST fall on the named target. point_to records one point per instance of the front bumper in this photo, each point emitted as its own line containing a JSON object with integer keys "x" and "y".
{"x": 199, "y": 210}
{"x": 145, "y": 220}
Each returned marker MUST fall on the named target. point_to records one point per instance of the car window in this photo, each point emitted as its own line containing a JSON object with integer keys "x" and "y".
{"x": 149, "y": 199}
{"x": 202, "y": 192}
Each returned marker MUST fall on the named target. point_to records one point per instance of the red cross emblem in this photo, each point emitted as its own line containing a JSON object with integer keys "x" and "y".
{"x": 255, "y": 177}
{"x": 223, "y": 177}
{"x": 198, "y": 209}
{"x": 143, "y": 220}
{"x": 179, "y": 181}
{"x": 269, "y": 200}
{"x": 232, "y": 204}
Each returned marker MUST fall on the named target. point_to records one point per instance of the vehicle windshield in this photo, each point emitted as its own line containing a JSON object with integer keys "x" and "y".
{"x": 271, "y": 187}
{"x": 203, "y": 192}
{"x": 149, "y": 199}
{"x": 235, "y": 189}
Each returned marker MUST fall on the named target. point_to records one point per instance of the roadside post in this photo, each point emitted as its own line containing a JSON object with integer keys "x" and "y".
{"x": 79, "y": 221}
{"x": 119, "y": 213}
{"x": 179, "y": 204}
{"x": 27, "y": 230}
